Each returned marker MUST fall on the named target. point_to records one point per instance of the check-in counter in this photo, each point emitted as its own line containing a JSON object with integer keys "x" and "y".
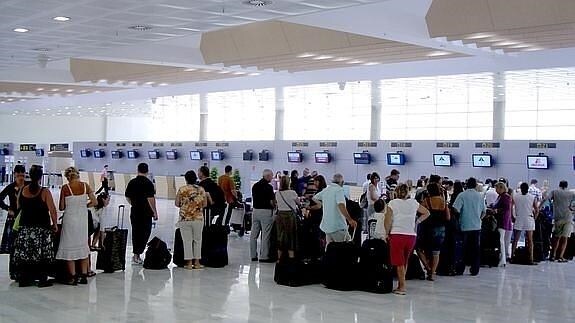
{"x": 87, "y": 177}
{"x": 165, "y": 187}
{"x": 96, "y": 181}
{"x": 355, "y": 192}
{"x": 179, "y": 182}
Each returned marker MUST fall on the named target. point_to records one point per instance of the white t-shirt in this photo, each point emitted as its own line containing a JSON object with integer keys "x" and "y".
{"x": 491, "y": 196}
{"x": 377, "y": 193}
{"x": 290, "y": 196}
{"x": 365, "y": 186}
{"x": 524, "y": 205}
{"x": 404, "y": 216}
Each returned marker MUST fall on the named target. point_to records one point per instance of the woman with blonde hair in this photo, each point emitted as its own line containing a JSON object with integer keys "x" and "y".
{"x": 74, "y": 246}
{"x": 401, "y": 219}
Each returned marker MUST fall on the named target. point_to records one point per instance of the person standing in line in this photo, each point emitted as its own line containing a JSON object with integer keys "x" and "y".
{"x": 74, "y": 245}
{"x": 214, "y": 194}
{"x": 535, "y": 191}
{"x": 104, "y": 180}
{"x": 287, "y": 203}
{"x": 191, "y": 199}
{"x": 227, "y": 184}
{"x": 503, "y": 208}
{"x": 140, "y": 194}
{"x": 365, "y": 185}
{"x": 471, "y": 208}
{"x": 526, "y": 207}
{"x": 400, "y": 225}
{"x": 11, "y": 191}
{"x": 303, "y": 182}
{"x": 264, "y": 203}
{"x": 391, "y": 183}
{"x": 294, "y": 178}
{"x": 562, "y": 200}
{"x": 373, "y": 194}
{"x": 34, "y": 244}
{"x": 311, "y": 189}
{"x": 333, "y": 222}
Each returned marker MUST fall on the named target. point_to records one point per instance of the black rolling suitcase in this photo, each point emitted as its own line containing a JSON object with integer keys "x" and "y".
{"x": 570, "y": 250}
{"x": 375, "y": 268}
{"x": 295, "y": 272}
{"x": 214, "y": 243}
{"x": 489, "y": 251}
{"x": 157, "y": 255}
{"x": 414, "y": 268}
{"x": 178, "y": 257}
{"x": 341, "y": 265}
{"x": 112, "y": 257}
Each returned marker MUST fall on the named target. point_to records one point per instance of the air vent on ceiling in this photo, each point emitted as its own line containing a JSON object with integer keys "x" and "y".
{"x": 258, "y": 3}
{"x": 140, "y": 27}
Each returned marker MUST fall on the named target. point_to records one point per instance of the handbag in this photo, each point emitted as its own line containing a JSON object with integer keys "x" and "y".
{"x": 16, "y": 225}
{"x": 296, "y": 213}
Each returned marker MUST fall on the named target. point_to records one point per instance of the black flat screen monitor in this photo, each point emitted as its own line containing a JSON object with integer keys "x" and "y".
{"x": 116, "y": 154}
{"x": 442, "y": 160}
{"x": 264, "y": 155}
{"x": 40, "y": 152}
{"x": 84, "y": 153}
{"x": 171, "y": 155}
{"x": 537, "y": 162}
{"x": 482, "y": 160}
{"x": 99, "y": 153}
{"x": 362, "y": 158}
{"x": 247, "y": 156}
{"x": 132, "y": 154}
{"x": 217, "y": 155}
{"x": 153, "y": 154}
{"x": 395, "y": 159}
{"x": 4, "y": 152}
{"x": 294, "y": 157}
{"x": 195, "y": 155}
{"x": 322, "y": 157}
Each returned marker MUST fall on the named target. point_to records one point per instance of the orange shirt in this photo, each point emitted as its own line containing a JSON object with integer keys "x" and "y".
{"x": 227, "y": 185}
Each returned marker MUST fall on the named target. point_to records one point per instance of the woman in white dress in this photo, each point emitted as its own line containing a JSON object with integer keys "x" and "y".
{"x": 526, "y": 210}
{"x": 74, "y": 238}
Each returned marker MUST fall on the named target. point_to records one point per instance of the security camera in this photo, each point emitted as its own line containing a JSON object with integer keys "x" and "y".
{"x": 341, "y": 86}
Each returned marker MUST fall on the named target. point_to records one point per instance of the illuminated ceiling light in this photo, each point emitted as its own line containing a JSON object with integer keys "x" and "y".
{"x": 254, "y": 74}
{"x": 505, "y": 43}
{"x": 520, "y": 46}
{"x": 206, "y": 71}
{"x": 62, "y": 18}
{"x": 10, "y": 100}
{"x": 240, "y": 73}
{"x": 190, "y": 69}
{"x": 305, "y": 55}
{"x": 224, "y": 72}
{"x": 356, "y": 61}
{"x": 437, "y": 53}
{"x": 322, "y": 57}
{"x": 479, "y": 36}
{"x": 341, "y": 59}
{"x": 70, "y": 90}
{"x": 371, "y": 63}
{"x": 22, "y": 100}
{"x": 531, "y": 49}
{"x": 55, "y": 90}
{"x": 40, "y": 89}
{"x": 163, "y": 84}
{"x": 147, "y": 83}
{"x": 102, "y": 81}
{"x": 21, "y": 30}
{"x": 2, "y": 102}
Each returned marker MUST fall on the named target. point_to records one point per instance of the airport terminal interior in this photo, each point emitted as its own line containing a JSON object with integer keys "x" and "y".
{"x": 367, "y": 113}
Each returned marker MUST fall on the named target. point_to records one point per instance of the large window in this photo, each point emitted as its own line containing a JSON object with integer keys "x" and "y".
{"x": 337, "y": 111}
{"x": 540, "y": 104}
{"x": 241, "y": 115}
{"x": 175, "y": 118}
{"x": 437, "y": 108}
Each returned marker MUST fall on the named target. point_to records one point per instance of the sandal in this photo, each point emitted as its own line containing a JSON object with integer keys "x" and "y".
{"x": 189, "y": 267}
{"x": 91, "y": 274}
{"x": 399, "y": 292}
{"x": 198, "y": 267}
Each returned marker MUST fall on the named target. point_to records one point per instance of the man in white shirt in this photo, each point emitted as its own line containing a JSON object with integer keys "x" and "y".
{"x": 535, "y": 191}
{"x": 491, "y": 196}
{"x": 365, "y": 184}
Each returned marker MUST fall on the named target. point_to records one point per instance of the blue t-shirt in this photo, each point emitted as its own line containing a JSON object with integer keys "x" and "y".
{"x": 471, "y": 206}
{"x": 333, "y": 220}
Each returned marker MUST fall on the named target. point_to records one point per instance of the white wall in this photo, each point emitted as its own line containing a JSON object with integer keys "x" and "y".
{"x": 45, "y": 130}
{"x": 129, "y": 129}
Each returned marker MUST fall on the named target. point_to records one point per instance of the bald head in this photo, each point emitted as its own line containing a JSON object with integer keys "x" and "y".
{"x": 268, "y": 175}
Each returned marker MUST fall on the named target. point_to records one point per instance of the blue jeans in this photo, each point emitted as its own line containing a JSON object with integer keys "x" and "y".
{"x": 471, "y": 251}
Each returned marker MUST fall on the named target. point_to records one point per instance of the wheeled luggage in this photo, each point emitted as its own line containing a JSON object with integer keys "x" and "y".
{"x": 8, "y": 236}
{"x": 489, "y": 251}
{"x": 375, "y": 268}
{"x": 112, "y": 257}
{"x": 157, "y": 255}
{"x": 214, "y": 243}
{"x": 570, "y": 250}
{"x": 237, "y": 220}
{"x": 178, "y": 257}
{"x": 295, "y": 272}
{"x": 414, "y": 268}
{"x": 341, "y": 265}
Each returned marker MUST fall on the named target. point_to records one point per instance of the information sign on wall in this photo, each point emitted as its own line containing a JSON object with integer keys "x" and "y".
{"x": 487, "y": 145}
{"x": 201, "y": 144}
{"x": 447, "y": 145}
{"x": 176, "y": 144}
{"x": 401, "y": 145}
{"x": 136, "y": 144}
{"x": 102, "y": 144}
{"x": 28, "y": 147}
{"x": 222, "y": 144}
{"x": 121, "y": 144}
{"x": 299, "y": 144}
{"x": 325, "y": 144}
{"x": 158, "y": 144}
{"x": 367, "y": 144}
{"x": 59, "y": 147}
{"x": 542, "y": 145}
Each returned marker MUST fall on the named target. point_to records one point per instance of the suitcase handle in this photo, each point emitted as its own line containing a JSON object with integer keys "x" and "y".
{"x": 122, "y": 210}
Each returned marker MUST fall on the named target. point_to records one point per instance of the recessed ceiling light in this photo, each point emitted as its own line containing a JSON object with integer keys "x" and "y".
{"x": 55, "y": 90}
{"x": 322, "y": 57}
{"x": 258, "y": 3}
{"x": 505, "y": 43}
{"x": 190, "y": 69}
{"x": 224, "y": 72}
{"x": 306, "y": 55}
{"x": 147, "y": 83}
{"x": 10, "y": 100}
{"x": 255, "y": 74}
{"x": 341, "y": 59}
{"x": 83, "y": 91}
{"x": 437, "y": 53}
{"x": 61, "y": 18}
{"x": 163, "y": 84}
{"x": 531, "y": 49}
{"x": 371, "y": 63}
{"x": 479, "y": 36}
{"x": 102, "y": 80}
{"x": 40, "y": 89}
{"x": 70, "y": 90}
{"x": 240, "y": 73}
{"x": 140, "y": 27}
{"x": 356, "y": 61}
{"x": 2, "y": 102}
{"x": 21, "y": 30}
{"x": 206, "y": 71}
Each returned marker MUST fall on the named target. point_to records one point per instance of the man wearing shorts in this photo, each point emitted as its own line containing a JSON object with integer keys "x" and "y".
{"x": 562, "y": 199}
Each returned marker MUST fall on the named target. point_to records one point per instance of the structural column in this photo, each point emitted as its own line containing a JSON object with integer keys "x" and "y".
{"x": 498, "y": 106}
{"x": 375, "y": 131}
{"x": 203, "y": 117}
{"x": 279, "y": 120}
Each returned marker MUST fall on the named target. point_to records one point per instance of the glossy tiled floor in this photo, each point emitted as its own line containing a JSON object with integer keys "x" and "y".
{"x": 245, "y": 292}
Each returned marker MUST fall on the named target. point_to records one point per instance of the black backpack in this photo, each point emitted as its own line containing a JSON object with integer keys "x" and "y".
{"x": 157, "y": 255}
